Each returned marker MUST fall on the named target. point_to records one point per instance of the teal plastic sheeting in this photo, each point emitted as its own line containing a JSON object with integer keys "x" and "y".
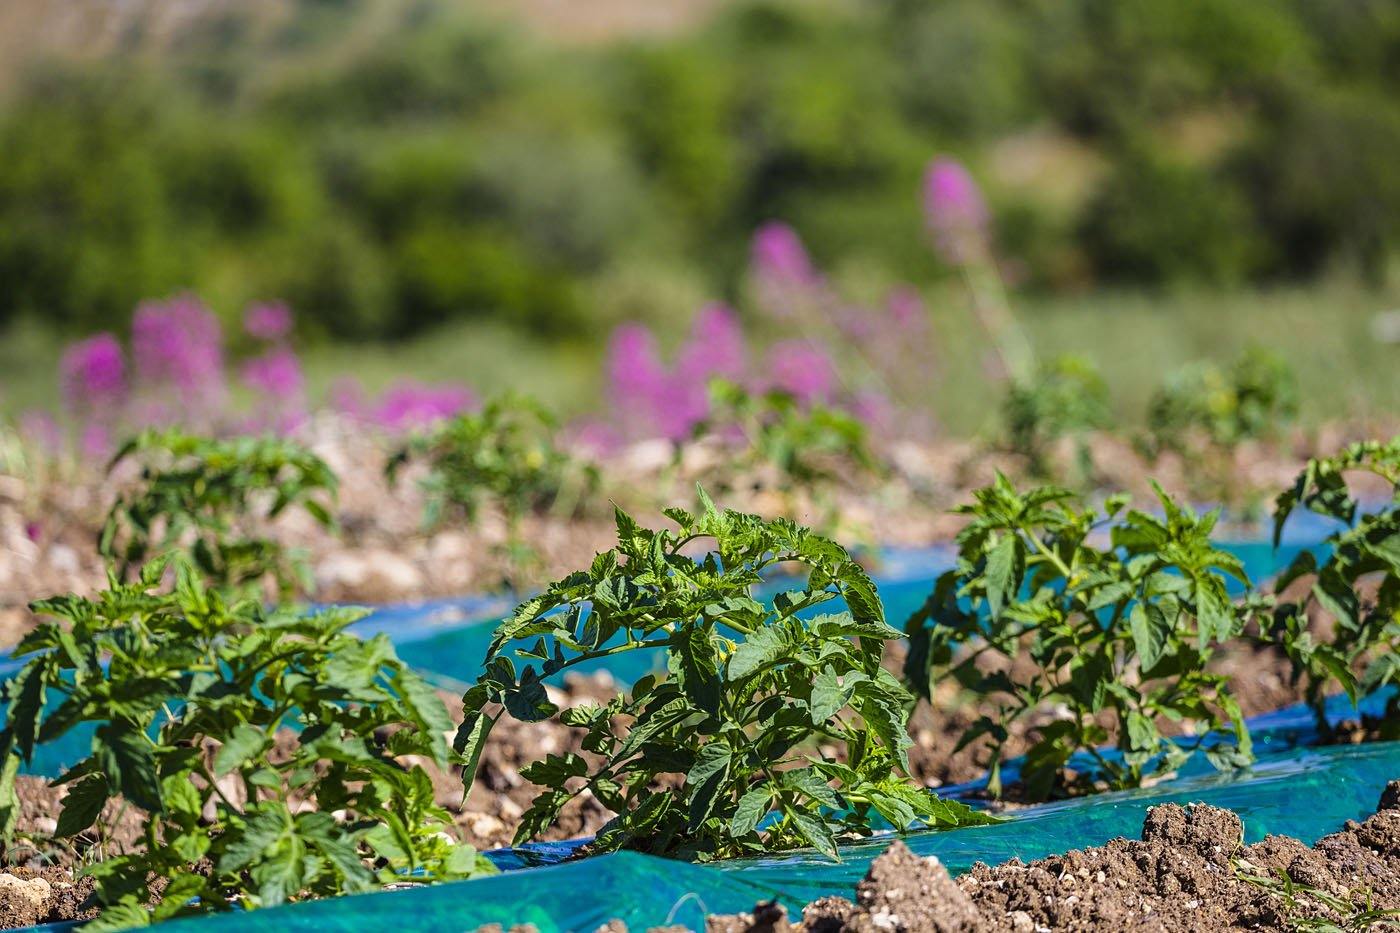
{"x": 1303, "y": 793}
{"x": 1306, "y": 793}
{"x": 435, "y": 640}
{"x": 640, "y": 890}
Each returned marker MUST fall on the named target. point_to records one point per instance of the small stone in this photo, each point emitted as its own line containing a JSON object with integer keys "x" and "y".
{"x": 34, "y": 890}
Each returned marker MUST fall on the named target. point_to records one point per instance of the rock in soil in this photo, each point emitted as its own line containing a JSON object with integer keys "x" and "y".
{"x": 1189, "y": 871}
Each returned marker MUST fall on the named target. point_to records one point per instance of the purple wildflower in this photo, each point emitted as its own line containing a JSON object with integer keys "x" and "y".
{"x": 178, "y": 345}
{"x": 33, "y": 531}
{"x": 635, "y": 371}
{"x": 802, "y": 368}
{"x": 668, "y": 402}
{"x": 92, "y": 374}
{"x": 277, "y": 374}
{"x": 715, "y": 347}
{"x": 269, "y": 321}
{"x": 407, "y": 405}
{"x": 778, "y": 256}
{"x": 639, "y": 387}
{"x": 954, "y": 211}
{"x": 591, "y": 437}
{"x": 874, "y": 409}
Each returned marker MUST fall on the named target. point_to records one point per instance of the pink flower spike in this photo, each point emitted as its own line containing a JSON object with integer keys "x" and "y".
{"x": 276, "y": 374}
{"x": 408, "y": 405}
{"x": 715, "y": 348}
{"x": 270, "y": 321}
{"x": 92, "y": 374}
{"x": 779, "y": 256}
{"x": 347, "y": 396}
{"x": 805, "y": 370}
{"x": 96, "y": 441}
{"x": 178, "y": 345}
{"x": 954, "y": 211}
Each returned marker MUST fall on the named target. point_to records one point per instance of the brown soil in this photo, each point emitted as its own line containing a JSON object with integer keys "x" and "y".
{"x": 30, "y": 896}
{"x": 1188, "y": 872}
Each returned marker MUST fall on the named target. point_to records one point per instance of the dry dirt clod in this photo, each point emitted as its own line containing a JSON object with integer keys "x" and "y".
{"x": 1390, "y": 797}
{"x": 1188, "y": 872}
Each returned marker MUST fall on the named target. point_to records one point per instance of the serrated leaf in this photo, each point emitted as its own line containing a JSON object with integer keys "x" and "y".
{"x": 244, "y": 743}
{"x": 815, "y": 830}
{"x": 82, "y": 805}
{"x": 1151, "y": 632}
{"x": 753, "y": 807}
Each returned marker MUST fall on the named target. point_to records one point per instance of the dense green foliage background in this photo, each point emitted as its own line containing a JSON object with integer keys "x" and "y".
{"x": 440, "y": 167}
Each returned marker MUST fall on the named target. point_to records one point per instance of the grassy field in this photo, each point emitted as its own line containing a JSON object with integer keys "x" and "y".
{"x": 1325, "y": 332}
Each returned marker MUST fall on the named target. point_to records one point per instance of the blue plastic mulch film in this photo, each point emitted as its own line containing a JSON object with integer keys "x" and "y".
{"x": 1305, "y": 793}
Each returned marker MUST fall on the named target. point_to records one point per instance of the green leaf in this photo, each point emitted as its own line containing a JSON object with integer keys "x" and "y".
{"x": 753, "y": 807}
{"x": 124, "y": 755}
{"x": 246, "y": 845}
{"x": 1001, "y": 573}
{"x": 812, "y": 785}
{"x": 695, "y": 662}
{"x": 82, "y": 805}
{"x": 760, "y": 650}
{"x": 1151, "y": 633}
{"x": 426, "y": 709}
{"x": 541, "y": 815}
{"x": 706, "y": 780}
{"x": 828, "y": 696}
{"x": 815, "y": 830}
{"x": 1142, "y": 734}
{"x": 244, "y": 743}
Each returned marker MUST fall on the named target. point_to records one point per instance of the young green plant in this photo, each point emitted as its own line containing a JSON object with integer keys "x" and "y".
{"x": 774, "y": 440}
{"x": 247, "y": 740}
{"x": 1204, "y": 413}
{"x": 1108, "y": 618}
{"x": 504, "y": 456}
{"x": 1066, "y": 398}
{"x": 771, "y": 727}
{"x": 1356, "y": 585}
{"x": 212, "y": 495}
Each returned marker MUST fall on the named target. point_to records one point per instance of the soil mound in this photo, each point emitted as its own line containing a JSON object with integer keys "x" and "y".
{"x": 1189, "y": 871}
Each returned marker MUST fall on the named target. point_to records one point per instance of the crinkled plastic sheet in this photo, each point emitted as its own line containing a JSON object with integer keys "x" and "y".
{"x": 1305, "y": 793}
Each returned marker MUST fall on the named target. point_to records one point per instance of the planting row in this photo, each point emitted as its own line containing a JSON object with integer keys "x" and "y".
{"x": 775, "y": 723}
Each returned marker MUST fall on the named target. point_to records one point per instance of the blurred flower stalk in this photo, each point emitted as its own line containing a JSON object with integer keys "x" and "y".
{"x": 959, "y": 224}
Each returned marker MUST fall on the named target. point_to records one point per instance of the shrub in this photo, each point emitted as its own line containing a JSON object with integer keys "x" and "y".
{"x": 189, "y": 691}
{"x": 1067, "y": 398}
{"x": 751, "y": 690}
{"x": 1038, "y": 614}
{"x": 216, "y": 492}
{"x": 1356, "y": 586}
